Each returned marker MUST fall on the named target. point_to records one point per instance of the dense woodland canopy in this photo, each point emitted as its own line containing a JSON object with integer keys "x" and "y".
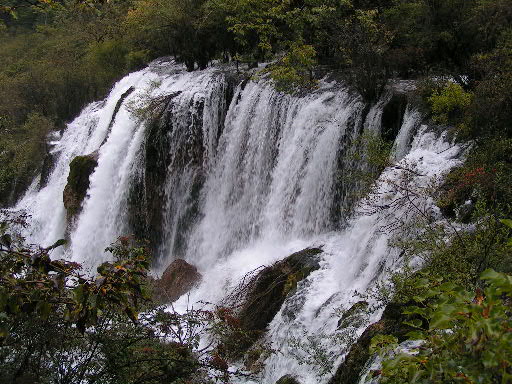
{"x": 58, "y": 55}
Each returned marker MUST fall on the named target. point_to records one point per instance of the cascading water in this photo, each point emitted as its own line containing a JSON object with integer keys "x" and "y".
{"x": 235, "y": 178}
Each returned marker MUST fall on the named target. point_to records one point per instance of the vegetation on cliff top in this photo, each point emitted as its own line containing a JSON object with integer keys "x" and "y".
{"x": 58, "y": 55}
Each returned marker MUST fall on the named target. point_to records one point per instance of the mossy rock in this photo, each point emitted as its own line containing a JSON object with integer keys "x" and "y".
{"x": 391, "y": 323}
{"x": 268, "y": 291}
{"x": 287, "y": 379}
{"x": 80, "y": 170}
{"x": 354, "y": 316}
{"x": 178, "y": 279}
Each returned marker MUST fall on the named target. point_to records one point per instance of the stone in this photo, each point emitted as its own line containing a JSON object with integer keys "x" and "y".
{"x": 178, "y": 279}
{"x": 287, "y": 379}
{"x": 269, "y": 289}
{"x": 391, "y": 323}
{"x": 354, "y": 316}
{"x": 272, "y": 285}
{"x": 80, "y": 170}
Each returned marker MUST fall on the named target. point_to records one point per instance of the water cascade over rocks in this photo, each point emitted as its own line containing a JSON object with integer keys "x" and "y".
{"x": 231, "y": 175}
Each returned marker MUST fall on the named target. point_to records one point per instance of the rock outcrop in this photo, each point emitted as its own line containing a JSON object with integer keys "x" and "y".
{"x": 354, "y": 316}
{"x": 267, "y": 292}
{"x": 287, "y": 379}
{"x": 178, "y": 279}
{"x": 80, "y": 170}
{"x": 271, "y": 287}
{"x": 391, "y": 323}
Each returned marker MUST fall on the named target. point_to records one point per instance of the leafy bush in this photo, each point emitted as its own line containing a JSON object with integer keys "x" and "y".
{"x": 294, "y": 70}
{"x": 448, "y": 104}
{"x": 467, "y": 337}
{"x": 58, "y": 325}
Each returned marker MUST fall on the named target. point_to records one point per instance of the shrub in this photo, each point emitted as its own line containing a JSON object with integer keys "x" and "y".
{"x": 467, "y": 339}
{"x": 449, "y": 103}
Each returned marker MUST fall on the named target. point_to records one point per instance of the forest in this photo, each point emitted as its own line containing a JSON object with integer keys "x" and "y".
{"x": 59, "y": 325}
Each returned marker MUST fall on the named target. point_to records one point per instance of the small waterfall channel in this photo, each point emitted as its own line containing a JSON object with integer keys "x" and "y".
{"x": 233, "y": 175}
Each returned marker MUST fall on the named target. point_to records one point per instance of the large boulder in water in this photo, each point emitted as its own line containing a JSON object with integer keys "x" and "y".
{"x": 80, "y": 170}
{"x": 267, "y": 292}
{"x": 287, "y": 379}
{"x": 178, "y": 278}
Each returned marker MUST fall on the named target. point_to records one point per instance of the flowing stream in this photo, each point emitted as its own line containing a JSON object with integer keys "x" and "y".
{"x": 235, "y": 175}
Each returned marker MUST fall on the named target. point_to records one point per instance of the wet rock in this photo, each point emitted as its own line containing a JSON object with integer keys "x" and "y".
{"x": 80, "y": 170}
{"x": 269, "y": 289}
{"x": 47, "y": 167}
{"x": 287, "y": 379}
{"x": 119, "y": 103}
{"x": 354, "y": 316}
{"x": 272, "y": 285}
{"x": 391, "y": 323}
{"x": 178, "y": 279}
{"x": 254, "y": 359}
{"x": 393, "y": 116}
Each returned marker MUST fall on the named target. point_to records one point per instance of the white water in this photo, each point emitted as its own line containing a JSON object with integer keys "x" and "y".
{"x": 272, "y": 175}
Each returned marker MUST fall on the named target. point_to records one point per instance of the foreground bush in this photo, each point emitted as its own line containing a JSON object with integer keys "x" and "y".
{"x": 466, "y": 335}
{"x": 59, "y": 325}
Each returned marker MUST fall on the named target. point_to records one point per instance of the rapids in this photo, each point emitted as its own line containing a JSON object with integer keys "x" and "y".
{"x": 246, "y": 176}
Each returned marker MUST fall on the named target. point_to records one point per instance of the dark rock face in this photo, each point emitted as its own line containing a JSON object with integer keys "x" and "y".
{"x": 178, "y": 278}
{"x": 393, "y": 116}
{"x": 287, "y": 379}
{"x": 167, "y": 147}
{"x": 269, "y": 289}
{"x": 47, "y": 167}
{"x": 80, "y": 170}
{"x": 391, "y": 323}
{"x": 354, "y": 316}
{"x": 173, "y": 151}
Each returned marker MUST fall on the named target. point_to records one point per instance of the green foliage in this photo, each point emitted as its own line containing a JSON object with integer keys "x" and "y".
{"x": 467, "y": 337}
{"x": 58, "y": 325}
{"x": 22, "y": 150}
{"x": 371, "y": 154}
{"x": 59, "y": 55}
{"x": 449, "y": 103}
{"x": 294, "y": 70}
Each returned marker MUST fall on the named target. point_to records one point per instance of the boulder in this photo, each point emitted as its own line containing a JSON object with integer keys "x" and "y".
{"x": 287, "y": 379}
{"x": 354, "y": 316}
{"x": 272, "y": 285}
{"x": 268, "y": 290}
{"x": 178, "y": 278}
{"x": 391, "y": 323}
{"x": 80, "y": 170}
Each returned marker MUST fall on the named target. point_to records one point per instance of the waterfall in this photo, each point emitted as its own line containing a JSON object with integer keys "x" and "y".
{"x": 232, "y": 175}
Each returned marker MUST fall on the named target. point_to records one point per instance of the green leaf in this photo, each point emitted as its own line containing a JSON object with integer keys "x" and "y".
{"x": 78, "y": 292}
{"x": 441, "y": 321}
{"x": 507, "y": 222}
{"x": 44, "y": 309}
{"x": 416, "y": 335}
{"x": 415, "y": 323}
